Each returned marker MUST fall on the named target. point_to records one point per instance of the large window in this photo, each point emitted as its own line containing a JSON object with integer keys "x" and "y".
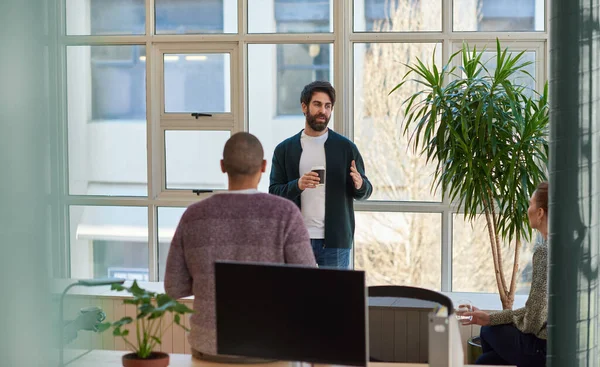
{"x": 149, "y": 103}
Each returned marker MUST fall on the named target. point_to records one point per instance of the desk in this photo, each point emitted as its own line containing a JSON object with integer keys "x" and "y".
{"x": 111, "y": 358}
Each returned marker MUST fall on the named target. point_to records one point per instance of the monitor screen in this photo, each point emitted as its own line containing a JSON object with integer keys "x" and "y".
{"x": 291, "y": 313}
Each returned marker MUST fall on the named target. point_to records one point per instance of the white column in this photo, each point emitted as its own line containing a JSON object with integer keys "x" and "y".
{"x": 230, "y": 14}
{"x": 81, "y": 251}
{"x": 261, "y": 16}
{"x": 359, "y": 22}
{"x": 540, "y": 15}
{"x": 78, "y": 17}
{"x": 79, "y": 111}
{"x": 79, "y": 99}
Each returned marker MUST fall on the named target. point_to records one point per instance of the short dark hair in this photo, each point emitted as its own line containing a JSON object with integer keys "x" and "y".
{"x": 317, "y": 86}
{"x": 541, "y": 196}
{"x": 243, "y": 155}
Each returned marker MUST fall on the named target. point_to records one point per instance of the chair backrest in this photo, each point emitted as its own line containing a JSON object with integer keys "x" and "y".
{"x": 400, "y": 291}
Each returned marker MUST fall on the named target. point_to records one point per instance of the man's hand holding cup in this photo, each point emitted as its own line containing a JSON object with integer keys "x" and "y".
{"x": 309, "y": 180}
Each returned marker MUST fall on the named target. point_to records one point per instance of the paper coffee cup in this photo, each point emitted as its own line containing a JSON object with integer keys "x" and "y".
{"x": 320, "y": 170}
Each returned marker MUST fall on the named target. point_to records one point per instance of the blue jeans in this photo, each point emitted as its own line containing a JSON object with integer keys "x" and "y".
{"x": 330, "y": 257}
{"x": 507, "y": 345}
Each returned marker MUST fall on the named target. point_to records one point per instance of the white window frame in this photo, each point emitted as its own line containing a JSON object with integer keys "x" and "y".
{"x": 343, "y": 39}
{"x": 230, "y": 121}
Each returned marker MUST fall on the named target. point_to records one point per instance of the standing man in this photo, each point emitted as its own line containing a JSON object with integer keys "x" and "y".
{"x": 241, "y": 224}
{"x": 327, "y": 205}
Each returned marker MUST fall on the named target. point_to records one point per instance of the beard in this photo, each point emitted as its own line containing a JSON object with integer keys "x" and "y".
{"x": 316, "y": 125}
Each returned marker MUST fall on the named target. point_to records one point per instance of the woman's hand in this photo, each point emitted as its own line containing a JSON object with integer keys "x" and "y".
{"x": 478, "y": 317}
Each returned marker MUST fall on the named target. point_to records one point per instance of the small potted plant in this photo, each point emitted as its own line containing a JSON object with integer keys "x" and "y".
{"x": 151, "y": 307}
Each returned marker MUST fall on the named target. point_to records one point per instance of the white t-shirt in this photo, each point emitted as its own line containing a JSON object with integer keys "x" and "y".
{"x": 313, "y": 200}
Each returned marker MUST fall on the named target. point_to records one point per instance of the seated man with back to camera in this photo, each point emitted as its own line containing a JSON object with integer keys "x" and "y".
{"x": 240, "y": 224}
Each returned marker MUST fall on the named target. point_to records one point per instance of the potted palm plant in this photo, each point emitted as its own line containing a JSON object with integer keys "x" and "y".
{"x": 151, "y": 307}
{"x": 487, "y": 137}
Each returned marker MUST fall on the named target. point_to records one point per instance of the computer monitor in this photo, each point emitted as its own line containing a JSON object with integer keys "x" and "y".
{"x": 291, "y": 313}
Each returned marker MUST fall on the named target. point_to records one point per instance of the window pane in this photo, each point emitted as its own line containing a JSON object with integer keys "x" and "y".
{"x": 168, "y": 219}
{"x": 106, "y": 95}
{"x": 290, "y": 16}
{"x": 197, "y": 83}
{"x": 274, "y": 107}
{"x": 298, "y": 65}
{"x": 193, "y": 159}
{"x": 109, "y": 241}
{"x": 472, "y": 262}
{"x": 196, "y": 16}
{"x": 489, "y": 58}
{"x": 498, "y": 15}
{"x": 399, "y": 248}
{"x": 106, "y": 17}
{"x": 395, "y": 170}
{"x": 397, "y": 16}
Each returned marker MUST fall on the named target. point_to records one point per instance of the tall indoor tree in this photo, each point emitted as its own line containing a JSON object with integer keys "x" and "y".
{"x": 487, "y": 136}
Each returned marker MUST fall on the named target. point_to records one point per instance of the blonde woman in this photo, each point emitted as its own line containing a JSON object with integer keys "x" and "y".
{"x": 518, "y": 337}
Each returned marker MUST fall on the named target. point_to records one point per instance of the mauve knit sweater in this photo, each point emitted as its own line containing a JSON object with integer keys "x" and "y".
{"x": 253, "y": 227}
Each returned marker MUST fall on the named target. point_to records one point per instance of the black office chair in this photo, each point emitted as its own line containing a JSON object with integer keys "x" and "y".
{"x": 430, "y": 299}
{"x": 401, "y": 291}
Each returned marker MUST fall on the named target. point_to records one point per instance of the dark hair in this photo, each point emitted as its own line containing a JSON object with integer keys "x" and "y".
{"x": 317, "y": 86}
{"x": 541, "y": 196}
{"x": 243, "y": 155}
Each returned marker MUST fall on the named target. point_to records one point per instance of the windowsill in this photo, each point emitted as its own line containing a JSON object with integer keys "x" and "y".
{"x": 484, "y": 301}
{"x": 104, "y": 291}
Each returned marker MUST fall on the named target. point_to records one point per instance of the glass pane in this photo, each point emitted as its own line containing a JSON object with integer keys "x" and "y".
{"x": 395, "y": 170}
{"x": 106, "y": 95}
{"x": 498, "y": 15}
{"x": 193, "y": 159}
{"x": 290, "y": 16}
{"x": 196, "y": 16}
{"x": 168, "y": 219}
{"x": 489, "y": 58}
{"x": 397, "y": 16}
{"x": 274, "y": 107}
{"x": 109, "y": 241}
{"x": 197, "y": 83}
{"x": 399, "y": 248}
{"x": 106, "y": 17}
{"x": 472, "y": 262}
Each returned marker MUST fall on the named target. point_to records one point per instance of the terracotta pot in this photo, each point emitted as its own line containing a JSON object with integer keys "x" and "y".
{"x": 156, "y": 359}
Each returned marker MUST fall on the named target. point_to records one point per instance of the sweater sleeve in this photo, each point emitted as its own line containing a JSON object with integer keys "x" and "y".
{"x": 178, "y": 280}
{"x": 532, "y": 318}
{"x": 297, "y": 246}
{"x": 366, "y": 189}
{"x": 278, "y": 183}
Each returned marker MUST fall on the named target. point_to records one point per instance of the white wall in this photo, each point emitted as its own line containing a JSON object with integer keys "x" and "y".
{"x": 78, "y": 16}
{"x": 117, "y": 152}
{"x": 230, "y": 12}
{"x": 78, "y": 114}
{"x": 261, "y": 16}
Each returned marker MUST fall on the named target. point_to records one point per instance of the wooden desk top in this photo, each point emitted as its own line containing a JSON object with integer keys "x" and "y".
{"x": 111, "y": 358}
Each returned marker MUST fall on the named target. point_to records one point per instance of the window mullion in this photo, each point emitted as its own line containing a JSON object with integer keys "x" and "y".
{"x": 447, "y": 250}
{"x": 153, "y": 243}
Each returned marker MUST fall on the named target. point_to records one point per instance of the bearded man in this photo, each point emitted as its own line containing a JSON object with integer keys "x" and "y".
{"x": 323, "y": 173}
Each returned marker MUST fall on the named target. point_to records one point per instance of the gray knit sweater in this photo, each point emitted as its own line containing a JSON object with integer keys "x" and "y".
{"x": 532, "y": 318}
{"x": 253, "y": 227}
